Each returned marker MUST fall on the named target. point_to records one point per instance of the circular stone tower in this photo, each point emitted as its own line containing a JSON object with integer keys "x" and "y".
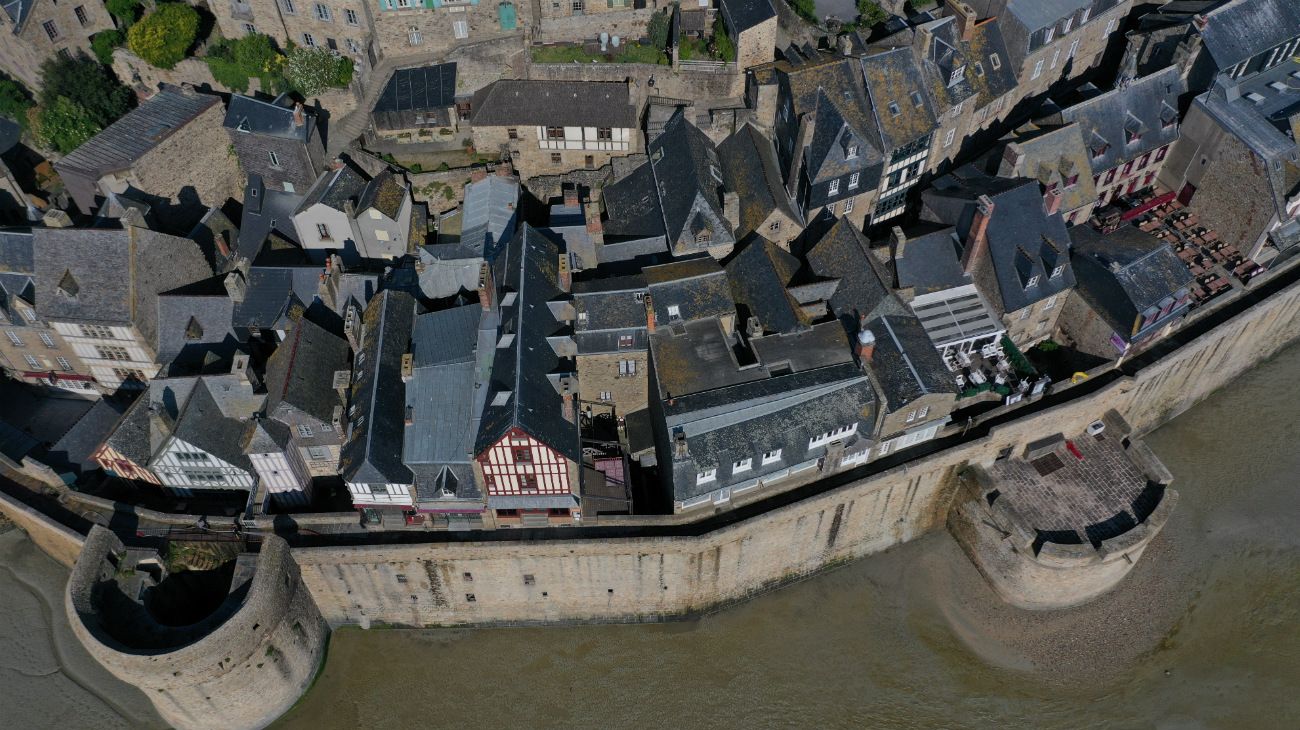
{"x": 241, "y": 666}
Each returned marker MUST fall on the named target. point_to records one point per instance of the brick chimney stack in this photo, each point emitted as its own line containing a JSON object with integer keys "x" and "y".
{"x": 1052, "y": 201}
{"x": 649, "y": 314}
{"x": 966, "y": 18}
{"x": 564, "y": 277}
{"x": 571, "y": 197}
{"x": 977, "y": 238}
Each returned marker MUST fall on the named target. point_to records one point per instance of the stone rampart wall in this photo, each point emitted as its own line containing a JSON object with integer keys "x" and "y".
{"x": 635, "y": 579}
{"x": 59, "y": 542}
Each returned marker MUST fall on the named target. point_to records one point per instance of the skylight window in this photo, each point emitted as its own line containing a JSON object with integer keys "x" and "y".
{"x": 501, "y": 398}
{"x": 893, "y": 109}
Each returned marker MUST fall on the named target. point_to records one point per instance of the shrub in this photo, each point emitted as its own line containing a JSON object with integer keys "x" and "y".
{"x": 92, "y": 86}
{"x": 723, "y": 48}
{"x": 163, "y": 37}
{"x": 312, "y": 70}
{"x": 869, "y": 13}
{"x": 234, "y": 61}
{"x": 103, "y": 44}
{"x": 14, "y": 101}
{"x": 657, "y": 30}
{"x": 64, "y": 125}
{"x": 806, "y": 9}
{"x": 124, "y": 10}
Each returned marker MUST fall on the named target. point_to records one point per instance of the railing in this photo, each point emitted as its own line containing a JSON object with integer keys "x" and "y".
{"x": 708, "y": 66}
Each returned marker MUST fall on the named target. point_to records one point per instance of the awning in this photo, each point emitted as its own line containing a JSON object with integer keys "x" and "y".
{"x": 1130, "y": 214}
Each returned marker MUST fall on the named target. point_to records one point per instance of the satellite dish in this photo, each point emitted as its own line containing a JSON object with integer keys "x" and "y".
{"x": 604, "y": 39}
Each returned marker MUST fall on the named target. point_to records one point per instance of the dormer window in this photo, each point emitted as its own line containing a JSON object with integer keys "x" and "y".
{"x": 834, "y": 188}
{"x": 852, "y": 152}
{"x": 958, "y": 74}
{"x": 1132, "y": 136}
{"x": 704, "y": 236}
{"x": 1065, "y": 26}
{"x": 995, "y": 61}
{"x": 894, "y": 109}
{"x": 674, "y": 312}
{"x": 68, "y": 285}
{"x": 1072, "y": 180}
{"x": 1099, "y": 151}
{"x": 1033, "y": 282}
{"x": 1055, "y": 273}
{"x": 1048, "y": 34}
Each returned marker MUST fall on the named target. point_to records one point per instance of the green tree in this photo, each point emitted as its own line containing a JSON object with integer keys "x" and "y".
{"x": 92, "y": 86}
{"x": 233, "y": 61}
{"x": 125, "y": 11}
{"x": 806, "y": 9}
{"x": 163, "y": 37}
{"x": 65, "y": 125}
{"x": 723, "y": 48}
{"x": 312, "y": 70}
{"x": 14, "y": 101}
{"x": 657, "y": 30}
{"x": 104, "y": 43}
{"x": 869, "y": 13}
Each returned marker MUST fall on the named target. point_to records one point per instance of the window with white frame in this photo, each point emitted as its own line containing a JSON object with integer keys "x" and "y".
{"x": 853, "y": 180}
{"x": 1051, "y": 302}
{"x": 674, "y": 312}
{"x": 771, "y": 457}
{"x": 351, "y": 16}
{"x": 949, "y": 137}
{"x": 742, "y": 466}
{"x": 1048, "y": 34}
{"x": 626, "y": 368}
{"x": 32, "y": 362}
{"x": 275, "y": 159}
{"x": 605, "y": 395}
{"x": 287, "y": 7}
{"x": 323, "y": 12}
{"x": 460, "y": 28}
{"x": 1074, "y": 48}
{"x": 14, "y": 338}
{"x": 47, "y": 340}
{"x": 64, "y": 364}
{"x": 413, "y": 35}
{"x": 1057, "y": 271}
{"x": 353, "y": 46}
{"x": 706, "y": 476}
{"x": 305, "y": 431}
{"x": 853, "y": 151}
{"x": 923, "y": 412}
{"x": 109, "y": 352}
{"x": 1038, "y": 70}
{"x": 308, "y": 40}
{"x": 848, "y": 205}
{"x": 911, "y": 416}
{"x": 28, "y": 314}
{"x": 834, "y": 188}
{"x": 1084, "y": 17}
{"x": 995, "y": 61}
{"x": 1033, "y": 281}
{"x": 1067, "y": 25}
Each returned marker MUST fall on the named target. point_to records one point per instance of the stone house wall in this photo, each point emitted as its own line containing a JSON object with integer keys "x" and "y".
{"x": 435, "y": 28}
{"x": 625, "y": 22}
{"x": 1030, "y": 325}
{"x": 204, "y": 145}
{"x": 529, "y": 159}
{"x": 756, "y": 45}
{"x": 21, "y": 55}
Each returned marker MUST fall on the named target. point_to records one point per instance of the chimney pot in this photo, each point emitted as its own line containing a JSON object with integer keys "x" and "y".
{"x": 649, "y": 314}
{"x": 977, "y": 237}
{"x": 966, "y": 18}
{"x": 299, "y": 118}
{"x": 866, "y": 341}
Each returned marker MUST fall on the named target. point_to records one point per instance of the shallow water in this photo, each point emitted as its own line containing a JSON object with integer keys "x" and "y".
{"x": 1204, "y": 634}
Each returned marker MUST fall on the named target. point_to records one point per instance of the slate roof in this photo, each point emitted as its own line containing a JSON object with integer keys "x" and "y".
{"x": 334, "y": 188}
{"x": 524, "y": 367}
{"x": 895, "y": 82}
{"x": 265, "y": 213}
{"x": 843, "y": 253}
{"x": 929, "y": 262}
{"x": 1052, "y": 156}
{"x": 750, "y": 168}
{"x": 214, "y": 230}
{"x": 1238, "y": 30}
{"x": 193, "y": 319}
{"x": 697, "y": 356}
{"x": 300, "y": 373}
{"x": 759, "y": 275}
{"x": 72, "y": 452}
{"x": 747, "y": 420}
{"x": 742, "y": 15}
{"x": 697, "y": 287}
{"x": 688, "y": 178}
{"x": 519, "y": 102}
{"x": 489, "y": 215}
{"x": 443, "y": 402}
{"x": 125, "y": 141}
{"x": 605, "y": 308}
{"x": 268, "y": 118}
{"x": 272, "y": 291}
{"x": 218, "y": 430}
{"x": 118, "y": 274}
{"x": 18, "y": 10}
{"x": 16, "y": 252}
{"x": 1130, "y": 272}
{"x": 1036, "y": 14}
{"x": 373, "y": 451}
{"x": 833, "y": 91}
{"x": 905, "y": 362}
{"x": 1148, "y": 107}
{"x": 425, "y": 88}
{"x": 1023, "y": 240}
{"x": 385, "y": 193}
{"x": 143, "y": 430}
{"x": 265, "y": 436}
{"x": 632, "y": 207}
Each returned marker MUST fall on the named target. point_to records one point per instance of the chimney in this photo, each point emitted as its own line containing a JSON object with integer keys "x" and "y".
{"x": 236, "y": 286}
{"x": 897, "y": 241}
{"x": 478, "y": 174}
{"x": 299, "y": 118}
{"x": 753, "y": 327}
{"x": 844, "y": 44}
{"x": 591, "y": 213}
{"x": 1052, "y": 201}
{"x": 731, "y": 208}
{"x": 1012, "y": 156}
{"x": 566, "y": 409}
{"x": 485, "y": 292}
{"x": 571, "y": 196}
{"x": 921, "y": 42}
{"x": 1200, "y": 21}
{"x": 977, "y": 236}
{"x": 649, "y": 314}
{"x": 222, "y": 246}
{"x": 679, "y": 442}
{"x": 564, "y": 276}
{"x": 965, "y": 16}
{"x": 866, "y": 341}
{"x": 408, "y": 367}
{"x": 410, "y": 416}
{"x": 336, "y": 164}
